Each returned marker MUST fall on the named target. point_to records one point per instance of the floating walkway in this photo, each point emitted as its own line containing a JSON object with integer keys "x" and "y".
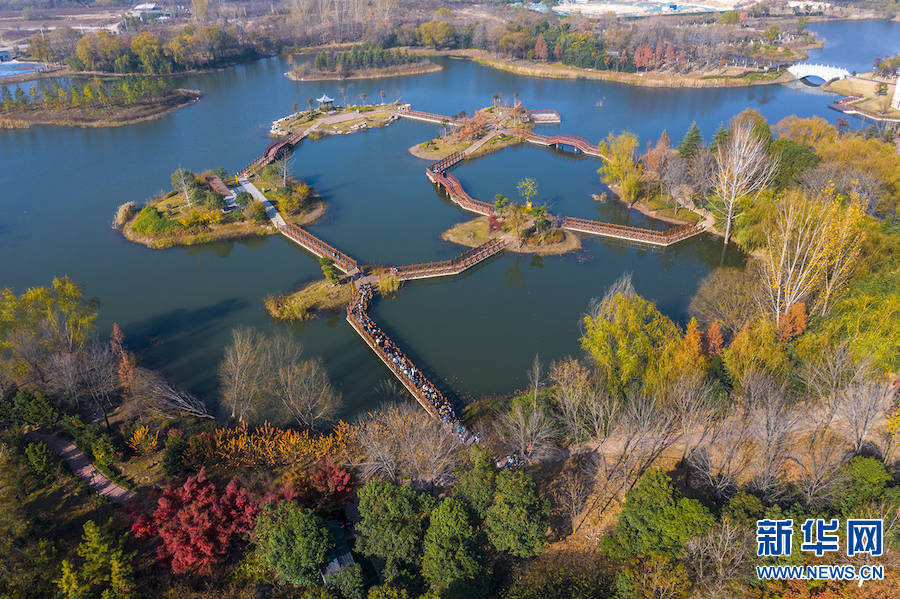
{"x": 320, "y": 248}
{"x": 445, "y": 268}
{"x": 627, "y": 233}
{"x": 429, "y": 117}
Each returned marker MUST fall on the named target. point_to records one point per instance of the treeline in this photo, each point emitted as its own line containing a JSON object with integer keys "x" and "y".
{"x": 363, "y": 56}
{"x": 190, "y": 47}
{"x": 96, "y": 94}
{"x": 604, "y": 43}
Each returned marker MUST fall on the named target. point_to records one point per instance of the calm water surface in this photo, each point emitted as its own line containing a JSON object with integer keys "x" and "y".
{"x": 477, "y": 333}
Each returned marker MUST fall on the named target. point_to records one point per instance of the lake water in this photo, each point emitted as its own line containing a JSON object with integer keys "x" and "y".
{"x": 477, "y": 333}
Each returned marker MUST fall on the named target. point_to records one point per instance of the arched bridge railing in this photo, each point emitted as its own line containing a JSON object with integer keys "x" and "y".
{"x": 569, "y": 140}
{"x": 319, "y": 247}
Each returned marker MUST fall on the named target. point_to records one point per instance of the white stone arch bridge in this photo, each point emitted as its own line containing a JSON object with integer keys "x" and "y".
{"x": 823, "y": 71}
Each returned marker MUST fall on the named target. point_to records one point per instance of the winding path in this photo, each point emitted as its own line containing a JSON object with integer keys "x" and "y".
{"x": 82, "y": 467}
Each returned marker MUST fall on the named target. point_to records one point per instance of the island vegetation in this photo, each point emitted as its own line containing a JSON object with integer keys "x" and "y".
{"x": 203, "y": 208}
{"x": 490, "y": 129}
{"x": 96, "y": 103}
{"x": 363, "y": 61}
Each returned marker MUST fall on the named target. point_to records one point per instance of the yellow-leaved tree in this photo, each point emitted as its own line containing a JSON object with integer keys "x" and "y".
{"x": 619, "y": 166}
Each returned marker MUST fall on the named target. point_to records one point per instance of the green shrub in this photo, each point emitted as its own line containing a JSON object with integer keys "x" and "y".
{"x": 40, "y": 460}
{"x": 102, "y": 450}
{"x": 348, "y": 582}
{"x": 25, "y": 408}
{"x": 149, "y": 221}
{"x": 173, "y": 456}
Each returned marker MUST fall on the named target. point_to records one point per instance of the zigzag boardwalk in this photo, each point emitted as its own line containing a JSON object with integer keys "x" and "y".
{"x": 653, "y": 237}
{"x": 445, "y": 268}
{"x": 318, "y": 247}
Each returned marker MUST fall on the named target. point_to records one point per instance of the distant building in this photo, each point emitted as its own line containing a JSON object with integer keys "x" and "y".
{"x": 149, "y": 11}
{"x": 340, "y": 555}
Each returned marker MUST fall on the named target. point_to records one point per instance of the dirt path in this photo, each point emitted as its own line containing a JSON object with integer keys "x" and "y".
{"x": 81, "y": 466}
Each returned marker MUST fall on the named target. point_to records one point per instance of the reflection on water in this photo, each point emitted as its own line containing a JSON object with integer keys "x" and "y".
{"x": 477, "y": 332}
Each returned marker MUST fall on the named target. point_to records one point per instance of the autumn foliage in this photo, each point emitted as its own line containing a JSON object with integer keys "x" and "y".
{"x": 197, "y": 523}
{"x": 270, "y": 446}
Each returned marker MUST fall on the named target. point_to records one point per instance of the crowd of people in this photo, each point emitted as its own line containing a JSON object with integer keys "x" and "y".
{"x": 358, "y": 311}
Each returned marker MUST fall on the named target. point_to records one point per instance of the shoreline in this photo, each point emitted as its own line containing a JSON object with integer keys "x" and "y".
{"x": 233, "y": 232}
{"x": 188, "y": 97}
{"x": 458, "y": 234}
{"x": 557, "y": 70}
{"x": 383, "y": 73}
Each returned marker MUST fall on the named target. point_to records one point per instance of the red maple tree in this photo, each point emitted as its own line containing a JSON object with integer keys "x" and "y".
{"x": 196, "y": 523}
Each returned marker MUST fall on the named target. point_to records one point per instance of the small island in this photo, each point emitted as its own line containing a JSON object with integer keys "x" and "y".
{"x": 98, "y": 103}
{"x": 327, "y": 119}
{"x": 530, "y": 229}
{"x": 488, "y": 130}
{"x": 212, "y": 206}
{"x": 329, "y": 294}
{"x": 363, "y": 61}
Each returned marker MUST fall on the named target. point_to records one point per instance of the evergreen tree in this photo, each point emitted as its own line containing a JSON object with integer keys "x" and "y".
{"x": 656, "y": 519}
{"x": 453, "y": 563}
{"x": 392, "y": 525}
{"x": 292, "y": 542}
{"x": 475, "y": 483}
{"x": 517, "y": 520}
{"x": 691, "y": 142}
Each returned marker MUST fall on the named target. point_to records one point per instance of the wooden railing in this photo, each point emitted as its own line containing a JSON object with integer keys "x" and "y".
{"x": 458, "y": 195}
{"x": 271, "y": 152}
{"x": 569, "y": 140}
{"x": 465, "y": 260}
{"x": 319, "y": 247}
{"x": 431, "y": 116}
{"x": 632, "y": 233}
{"x": 445, "y": 163}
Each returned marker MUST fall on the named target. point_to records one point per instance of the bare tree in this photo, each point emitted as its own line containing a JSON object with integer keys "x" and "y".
{"x": 743, "y": 169}
{"x": 527, "y": 432}
{"x": 720, "y": 558}
{"x": 573, "y": 487}
{"x": 283, "y": 167}
{"x": 729, "y": 295}
{"x": 183, "y": 180}
{"x": 304, "y": 390}
{"x": 160, "y": 397}
{"x": 572, "y": 393}
{"x": 772, "y": 420}
{"x": 694, "y": 407}
{"x": 241, "y": 374}
{"x": 861, "y": 405}
{"x": 65, "y": 377}
{"x": 399, "y": 441}
{"x": 795, "y": 251}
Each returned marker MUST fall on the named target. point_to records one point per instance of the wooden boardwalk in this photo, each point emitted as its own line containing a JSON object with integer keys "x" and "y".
{"x": 320, "y": 248}
{"x": 638, "y": 234}
{"x": 428, "y": 117}
{"x": 560, "y": 141}
{"x": 454, "y": 266}
{"x": 273, "y": 150}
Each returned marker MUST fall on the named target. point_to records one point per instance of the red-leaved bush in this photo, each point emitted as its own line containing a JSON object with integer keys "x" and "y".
{"x": 196, "y": 523}
{"x": 332, "y": 481}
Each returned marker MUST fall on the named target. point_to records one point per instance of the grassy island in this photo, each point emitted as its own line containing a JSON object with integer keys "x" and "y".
{"x": 317, "y": 122}
{"x": 363, "y": 61}
{"x": 488, "y": 130}
{"x": 211, "y": 207}
{"x": 99, "y": 103}
{"x": 318, "y": 296}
